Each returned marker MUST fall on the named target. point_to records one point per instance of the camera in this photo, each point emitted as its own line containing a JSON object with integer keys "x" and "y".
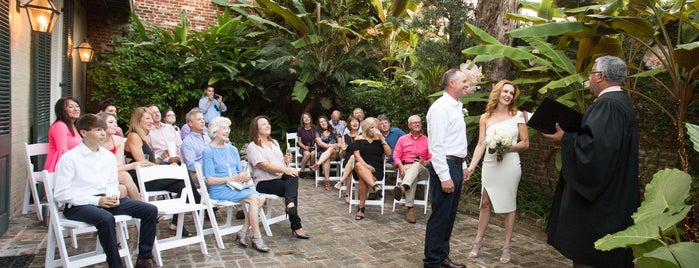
{"x": 216, "y": 96}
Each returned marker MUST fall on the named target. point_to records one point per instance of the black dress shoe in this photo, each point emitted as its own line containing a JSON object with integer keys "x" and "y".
{"x": 447, "y": 263}
{"x": 146, "y": 263}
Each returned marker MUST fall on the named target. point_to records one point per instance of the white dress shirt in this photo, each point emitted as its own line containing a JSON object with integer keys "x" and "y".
{"x": 159, "y": 138}
{"x": 446, "y": 133}
{"x": 82, "y": 175}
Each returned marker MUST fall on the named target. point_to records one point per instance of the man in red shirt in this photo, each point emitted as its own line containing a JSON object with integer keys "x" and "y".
{"x": 411, "y": 157}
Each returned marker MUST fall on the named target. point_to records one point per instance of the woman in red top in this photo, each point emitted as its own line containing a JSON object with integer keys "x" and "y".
{"x": 62, "y": 134}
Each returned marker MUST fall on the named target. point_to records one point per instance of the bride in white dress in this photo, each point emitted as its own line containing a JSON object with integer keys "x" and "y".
{"x": 500, "y": 178}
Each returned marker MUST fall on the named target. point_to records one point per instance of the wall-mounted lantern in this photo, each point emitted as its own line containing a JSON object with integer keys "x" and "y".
{"x": 85, "y": 51}
{"x": 42, "y": 14}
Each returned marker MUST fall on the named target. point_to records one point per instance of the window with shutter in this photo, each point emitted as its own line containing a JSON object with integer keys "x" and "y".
{"x": 41, "y": 86}
{"x": 68, "y": 44}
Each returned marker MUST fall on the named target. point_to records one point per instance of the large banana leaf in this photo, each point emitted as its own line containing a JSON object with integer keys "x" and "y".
{"x": 663, "y": 207}
{"x": 549, "y": 29}
{"x": 683, "y": 253}
{"x": 666, "y": 192}
{"x": 687, "y": 56}
{"x": 564, "y": 82}
{"x": 288, "y": 15}
{"x": 693, "y": 131}
{"x": 633, "y": 26}
{"x": 512, "y": 53}
{"x": 559, "y": 59}
{"x": 525, "y": 18}
{"x": 546, "y": 9}
{"x": 480, "y": 35}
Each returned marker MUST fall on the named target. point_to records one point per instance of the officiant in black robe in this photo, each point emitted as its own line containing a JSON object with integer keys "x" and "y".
{"x": 598, "y": 187}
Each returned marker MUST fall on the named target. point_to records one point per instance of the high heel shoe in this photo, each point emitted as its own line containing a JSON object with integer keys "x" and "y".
{"x": 297, "y": 235}
{"x": 377, "y": 191}
{"x": 242, "y": 239}
{"x": 359, "y": 217}
{"x": 327, "y": 186}
{"x": 506, "y": 254}
{"x": 476, "y": 248}
{"x": 259, "y": 244}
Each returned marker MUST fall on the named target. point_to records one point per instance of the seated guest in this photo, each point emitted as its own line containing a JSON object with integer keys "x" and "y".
{"x": 270, "y": 172}
{"x": 337, "y": 123}
{"x": 391, "y": 134}
{"x": 221, "y": 165}
{"x": 138, "y": 149}
{"x": 107, "y": 106}
{"x": 171, "y": 119}
{"x": 62, "y": 134}
{"x": 193, "y": 145}
{"x": 370, "y": 150}
{"x": 347, "y": 151}
{"x": 162, "y": 134}
{"x": 306, "y": 134}
{"x": 329, "y": 144}
{"x": 115, "y": 144}
{"x": 411, "y": 157}
{"x": 86, "y": 182}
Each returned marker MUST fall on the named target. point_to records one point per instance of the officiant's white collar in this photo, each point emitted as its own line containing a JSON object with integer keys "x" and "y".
{"x": 610, "y": 89}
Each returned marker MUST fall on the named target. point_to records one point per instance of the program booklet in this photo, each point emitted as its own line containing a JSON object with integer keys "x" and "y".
{"x": 551, "y": 112}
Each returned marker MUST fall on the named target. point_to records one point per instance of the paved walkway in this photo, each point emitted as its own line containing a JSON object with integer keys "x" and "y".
{"x": 337, "y": 240}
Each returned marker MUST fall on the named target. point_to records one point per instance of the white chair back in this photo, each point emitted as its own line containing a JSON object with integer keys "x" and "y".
{"x": 218, "y": 230}
{"x": 184, "y": 203}
{"x": 31, "y": 192}
{"x": 292, "y": 147}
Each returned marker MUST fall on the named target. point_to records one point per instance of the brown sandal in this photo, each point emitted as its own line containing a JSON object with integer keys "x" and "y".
{"x": 327, "y": 186}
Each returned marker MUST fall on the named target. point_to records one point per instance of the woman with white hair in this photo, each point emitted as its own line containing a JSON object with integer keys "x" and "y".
{"x": 222, "y": 165}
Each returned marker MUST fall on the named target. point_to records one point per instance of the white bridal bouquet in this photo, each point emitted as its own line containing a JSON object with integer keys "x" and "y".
{"x": 498, "y": 143}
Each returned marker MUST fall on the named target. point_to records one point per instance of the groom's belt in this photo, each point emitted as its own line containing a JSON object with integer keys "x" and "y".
{"x": 456, "y": 159}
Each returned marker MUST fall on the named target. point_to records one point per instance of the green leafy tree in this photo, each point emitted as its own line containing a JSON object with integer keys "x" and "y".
{"x": 171, "y": 68}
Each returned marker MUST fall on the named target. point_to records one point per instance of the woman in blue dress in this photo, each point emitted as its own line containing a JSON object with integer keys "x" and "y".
{"x": 221, "y": 164}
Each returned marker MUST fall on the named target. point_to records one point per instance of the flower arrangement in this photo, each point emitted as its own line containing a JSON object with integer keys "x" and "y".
{"x": 498, "y": 143}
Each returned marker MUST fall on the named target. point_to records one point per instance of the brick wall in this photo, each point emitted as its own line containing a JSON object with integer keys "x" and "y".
{"x": 167, "y": 13}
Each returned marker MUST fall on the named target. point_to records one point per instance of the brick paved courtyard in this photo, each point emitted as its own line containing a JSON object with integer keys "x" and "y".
{"x": 337, "y": 240}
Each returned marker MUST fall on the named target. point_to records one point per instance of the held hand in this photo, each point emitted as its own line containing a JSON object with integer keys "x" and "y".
{"x": 173, "y": 159}
{"x": 467, "y": 174}
{"x": 448, "y": 186}
{"x": 555, "y": 137}
{"x": 402, "y": 171}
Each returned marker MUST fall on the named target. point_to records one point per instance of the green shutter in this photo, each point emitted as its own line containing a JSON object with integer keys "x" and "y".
{"x": 68, "y": 44}
{"x": 41, "y": 86}
{"x": 5, "y": 137}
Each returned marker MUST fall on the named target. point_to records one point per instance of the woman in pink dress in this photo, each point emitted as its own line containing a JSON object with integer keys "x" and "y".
{"x": 63, "y": 135}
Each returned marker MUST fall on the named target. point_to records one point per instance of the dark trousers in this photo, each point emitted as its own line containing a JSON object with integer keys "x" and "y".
{"x": 288, "y": 187}
{"x": 441, "y": 222}
{"x": 103, "y": 219}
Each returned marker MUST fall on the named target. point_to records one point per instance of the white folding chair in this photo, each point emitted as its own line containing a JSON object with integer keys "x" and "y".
{"x": 60, "y": 226}
{"x": 179, "y": 206}
{"x": 354, "y": 193}
{"x": 266, "y": 217}
{"x": 425, "y": 196}
{"x": 292, "y": 147}
{"x": 218, "y": 230}
{"x": 335, "y": 170}
{"x": 31, "y": 191}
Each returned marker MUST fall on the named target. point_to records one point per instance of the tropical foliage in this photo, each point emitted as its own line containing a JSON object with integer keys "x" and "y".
{"x": 171, "y": 68}
{"x": 654, "y": 236}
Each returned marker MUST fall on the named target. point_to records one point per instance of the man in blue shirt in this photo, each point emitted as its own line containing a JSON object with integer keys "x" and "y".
{"x": 337, "y": 123}
{"x": 391, "y": 134}
{"x": 211, "y": 104}
{"x": 194, "y": 143}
